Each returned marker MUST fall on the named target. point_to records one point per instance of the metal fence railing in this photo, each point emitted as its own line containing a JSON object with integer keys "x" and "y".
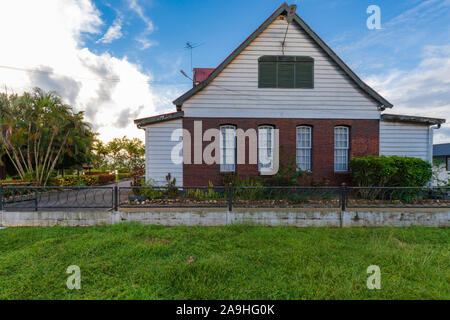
{"x": 286, "y": 197}
{"x": 173, "y": 197}
{"x": 116, "y": 197}
{"x": 397, "y": 197}
{"x": 35, "y": 198}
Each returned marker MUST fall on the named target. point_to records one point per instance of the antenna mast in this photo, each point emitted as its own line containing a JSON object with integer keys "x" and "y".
{"x": 191, "y": 46}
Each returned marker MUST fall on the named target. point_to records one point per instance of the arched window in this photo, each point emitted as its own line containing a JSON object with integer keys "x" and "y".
{"x": 227, "y": 148}
{"x": 304, "y": 145}
{"x": 341, "y": 148}
{"x": 265, "y": 147}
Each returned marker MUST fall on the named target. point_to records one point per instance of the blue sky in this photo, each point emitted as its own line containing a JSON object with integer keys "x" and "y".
{"x": 406, "y": 60}
{"x": 220, "y": 26}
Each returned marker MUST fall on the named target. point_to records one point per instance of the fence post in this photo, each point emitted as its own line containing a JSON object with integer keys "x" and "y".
{"x": 35, "y": 199}
{"x": 343, "y": 197}
{"x": 230, "y": 197}
{"x": 116, "y": 198}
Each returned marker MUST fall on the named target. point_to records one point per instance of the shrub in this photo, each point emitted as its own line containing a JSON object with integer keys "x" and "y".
{"x": 150, "y": 193}
{"x": 106, "y": 178}
{"x": 172, "y": 191}
{"x": 200, "y": 195}
{"x": 390, "y": 171}
{"x": 81, "y": 181}
{"x": 123, "y": 175}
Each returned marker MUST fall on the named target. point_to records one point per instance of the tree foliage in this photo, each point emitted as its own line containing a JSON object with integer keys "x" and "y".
{"x": 39, "y": 131}
{"x": 119, "y": 153}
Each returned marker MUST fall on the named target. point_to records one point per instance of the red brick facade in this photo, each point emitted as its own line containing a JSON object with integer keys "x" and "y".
{"x": 364, "y": 141}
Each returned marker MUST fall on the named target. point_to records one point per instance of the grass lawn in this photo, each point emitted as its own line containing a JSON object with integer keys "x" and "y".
{"x": 133, "y": 261}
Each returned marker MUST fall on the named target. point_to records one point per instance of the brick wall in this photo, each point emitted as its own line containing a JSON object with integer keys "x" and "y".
{"x": 364, "y": 140}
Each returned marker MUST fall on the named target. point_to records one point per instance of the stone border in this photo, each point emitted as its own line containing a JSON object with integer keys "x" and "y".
{"x": 265, "y": 217}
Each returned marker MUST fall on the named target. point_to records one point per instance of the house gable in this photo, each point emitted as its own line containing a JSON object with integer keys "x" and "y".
{"x": 234, "y": 84}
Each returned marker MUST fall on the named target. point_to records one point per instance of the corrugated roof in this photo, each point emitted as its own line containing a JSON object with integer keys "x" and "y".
{"x": 442, "y": 149}
{"x": 281, "y": 10}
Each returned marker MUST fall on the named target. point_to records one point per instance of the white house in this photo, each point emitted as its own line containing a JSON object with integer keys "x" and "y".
{"x": 283, "y": 78}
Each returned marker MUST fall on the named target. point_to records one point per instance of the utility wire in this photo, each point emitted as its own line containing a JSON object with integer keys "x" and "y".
{"x": 77, "y": 77}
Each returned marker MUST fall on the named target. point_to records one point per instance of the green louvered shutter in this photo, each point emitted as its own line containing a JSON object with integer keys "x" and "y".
{"x": 267, "y": 75}
{"x": 286, "y": 75}
{"x": 304, "y": 74}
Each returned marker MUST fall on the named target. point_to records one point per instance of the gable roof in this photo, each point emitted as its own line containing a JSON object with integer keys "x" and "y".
{"x": 282, "y": 9}
{"x": 442, "y": 149}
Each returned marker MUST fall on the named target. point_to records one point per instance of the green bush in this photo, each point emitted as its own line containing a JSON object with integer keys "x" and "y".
{"x": 203, "y": 194}
{"x": 150, "y": 193}
{"x": 390, "y": 171}
{"x": 123, "y": 175}
{"x": 106, "y": 178}
{"x": 81, "y": 181}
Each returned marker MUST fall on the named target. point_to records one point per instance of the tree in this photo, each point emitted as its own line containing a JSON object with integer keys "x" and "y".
{"x": 41, "y": 131}
{"x": 119, "y": 153}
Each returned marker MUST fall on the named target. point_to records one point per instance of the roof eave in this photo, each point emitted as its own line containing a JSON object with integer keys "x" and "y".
{"x": 412, "y": 119}
{"x": 159, "y": 118}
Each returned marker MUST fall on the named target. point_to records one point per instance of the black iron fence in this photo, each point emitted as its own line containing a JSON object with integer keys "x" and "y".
{"x": 116, "y": 197}
{"x": 35, "y": 198}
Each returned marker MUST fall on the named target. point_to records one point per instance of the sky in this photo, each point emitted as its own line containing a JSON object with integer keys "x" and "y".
{"x": 121, "y": 60}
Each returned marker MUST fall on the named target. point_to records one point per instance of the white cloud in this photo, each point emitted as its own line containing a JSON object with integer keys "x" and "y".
{"x": 114, "y": 32}
{"x": 48, "y": 37}
{"x": 134, "y": 5}
{"x": 423, "y": 90}
{"x": 145, "y": 43}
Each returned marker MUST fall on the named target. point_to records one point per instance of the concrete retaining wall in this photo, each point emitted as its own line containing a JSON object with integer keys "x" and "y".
{"x": 284, "y": 217}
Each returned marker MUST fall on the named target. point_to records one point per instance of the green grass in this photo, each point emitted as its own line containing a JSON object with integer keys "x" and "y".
{"x": 132, "y": 261}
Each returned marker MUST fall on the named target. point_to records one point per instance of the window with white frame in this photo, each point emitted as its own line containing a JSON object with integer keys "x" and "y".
{"x": 265, "y": 147}
{"x": 303, "y": 156}
{"x": 227, "y": 148}
{"x": 341, "y": 148}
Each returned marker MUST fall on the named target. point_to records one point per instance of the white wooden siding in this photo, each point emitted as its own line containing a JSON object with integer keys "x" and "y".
{"x": 334, "y": 94}
{"x": 158, "y": 149}
{"x": 405, "y": 139}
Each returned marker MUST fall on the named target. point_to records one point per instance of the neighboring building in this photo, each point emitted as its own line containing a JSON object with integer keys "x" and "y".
{"x": 325, "y": 114}
{"x": 441, "y": 157}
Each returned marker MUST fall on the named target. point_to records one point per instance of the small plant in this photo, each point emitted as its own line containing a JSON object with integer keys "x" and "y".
{"x": 149, "y": 192}
{"x": 287, "y": 174}
{"x": 172, "y": 191}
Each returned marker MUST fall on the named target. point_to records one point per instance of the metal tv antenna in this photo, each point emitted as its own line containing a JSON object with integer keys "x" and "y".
{"x": 289, "y": 17}
{"x": 191, "y": 46}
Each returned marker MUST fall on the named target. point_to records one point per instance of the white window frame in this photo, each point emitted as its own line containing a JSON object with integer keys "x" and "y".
{"x": 341, "y": 148}
{"x": 227, "y": 148}
{"x": 303, "y": 156}
{"x": 265, "y": 147}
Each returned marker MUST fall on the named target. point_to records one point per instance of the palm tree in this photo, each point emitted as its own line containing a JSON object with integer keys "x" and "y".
{"x": 42, "y": 129}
